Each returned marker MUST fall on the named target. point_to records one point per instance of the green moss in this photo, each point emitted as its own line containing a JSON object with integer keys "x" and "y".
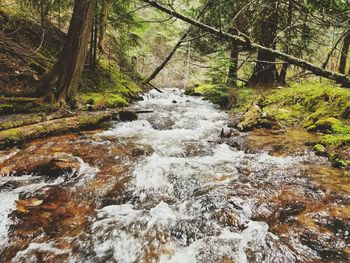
{"x": 339, "y": 163}
{"x": 108, "y": 86}
{"x": 10, "y": 136}
{"x": 245, "y": 98}
{"x": 335, "y": 140}
{"x": 320, "y": 149}
{"x": 327, "y": 125}
{"x": 311, "y": 101}
{"x": 251, "y": 119}
{"x": 237, "y": 100}
{"x": 104, "y": 99}
{"x": 217, "y": 94}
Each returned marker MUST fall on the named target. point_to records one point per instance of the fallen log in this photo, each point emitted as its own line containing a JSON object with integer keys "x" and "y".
{"x": 30, "y": 120}
{"x": 245, "y": 41}
{"x": 23, "y": 134}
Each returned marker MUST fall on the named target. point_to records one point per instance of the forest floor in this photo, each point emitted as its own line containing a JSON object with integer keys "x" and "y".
{"x": 27, "y": 51}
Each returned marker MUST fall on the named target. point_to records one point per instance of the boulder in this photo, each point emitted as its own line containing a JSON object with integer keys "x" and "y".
{"x": 127, "y": 116}
{"x": 256, "y": 118}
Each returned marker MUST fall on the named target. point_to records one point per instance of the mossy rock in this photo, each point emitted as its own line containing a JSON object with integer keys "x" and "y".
{"x": 256, "y": 118}
{"x": 328, "y": 125}
{"x": 320, "y": 150}
{"x": 342, "y": 164}
{"x": 250, "y": 119}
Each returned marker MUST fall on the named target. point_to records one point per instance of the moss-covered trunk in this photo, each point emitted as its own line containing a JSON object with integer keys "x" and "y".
{"x": 23, "y": 134}
{"x": 344, "y": 54}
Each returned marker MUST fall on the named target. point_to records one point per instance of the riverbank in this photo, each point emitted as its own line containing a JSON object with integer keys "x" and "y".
{"x": 322, "y": 109}
{"x": 174, "y": 184}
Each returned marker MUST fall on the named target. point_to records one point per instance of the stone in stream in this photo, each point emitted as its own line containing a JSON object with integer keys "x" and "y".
{"x": 127, "y": 116}
{"x": 59, "y": 165}
{"x": 52, "y": 166}
{"x": 256, "y": 118}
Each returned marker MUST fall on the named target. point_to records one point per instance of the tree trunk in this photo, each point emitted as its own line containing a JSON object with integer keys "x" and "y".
{"x": 265, "y": 71}
{"x": 103, "y": 23}
{"x": 285, "y": 66}
{"x": 167, "y": 59}
{"x": 244, "y": 41}
{"x": 344, "y": 54}
{"x": 232, "y": 72}
{"x": 175, "y": 48}
{"x": 61, "y": 82}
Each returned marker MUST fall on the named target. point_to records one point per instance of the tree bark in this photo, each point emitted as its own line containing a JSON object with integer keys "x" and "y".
{"x": 232, "y": 71}
{"x": 344, "y": 54}
{"x": 103, "y": 23}
{"x": 285, "y": 66}
{"x": 265, "y": 71}
{"x": 247, "y": 43}
{"x": 61, "y": 82}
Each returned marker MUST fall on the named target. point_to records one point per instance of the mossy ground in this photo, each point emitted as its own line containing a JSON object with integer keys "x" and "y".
{"x": 317, "y": 107}
{"x": 108, "y": 87}
{"x": 228, "y": 98}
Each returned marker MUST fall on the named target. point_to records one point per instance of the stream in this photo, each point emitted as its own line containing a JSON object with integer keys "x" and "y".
{"x": 167, "y": 188}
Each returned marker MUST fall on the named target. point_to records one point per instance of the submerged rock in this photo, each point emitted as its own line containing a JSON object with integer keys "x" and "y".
{"x": 291, "y": 209}
{"x": 323, "y": 246}
{"x": 58, "y": 166}
{"x": 52, "y": 166}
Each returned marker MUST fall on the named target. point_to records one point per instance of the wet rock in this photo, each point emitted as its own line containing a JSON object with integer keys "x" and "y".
{"x": 291, "y": 209}
{"x": 256, "y": 118}
{"x": 58, "y": 166}
{"x": 127, "y": 116}
{"x": 339, "y": 227}
{"x": 50, "y": 165}
{"x": 137, "y": 152}
{"x": 138, "y": 98}
{"x": 235, "y": 119}
{"x": 228, "y": 134}
{"x": 89, "y": 107}
{"x": 322, "y": 246}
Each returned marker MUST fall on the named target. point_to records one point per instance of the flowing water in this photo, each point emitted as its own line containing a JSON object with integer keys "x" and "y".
{"x": 167, "y": 188}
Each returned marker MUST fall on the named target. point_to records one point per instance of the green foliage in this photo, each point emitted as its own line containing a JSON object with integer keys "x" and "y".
{"x": 104, "y": 99}
{"x": 244, "y": 99}
{"x": 218, "y": 94}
